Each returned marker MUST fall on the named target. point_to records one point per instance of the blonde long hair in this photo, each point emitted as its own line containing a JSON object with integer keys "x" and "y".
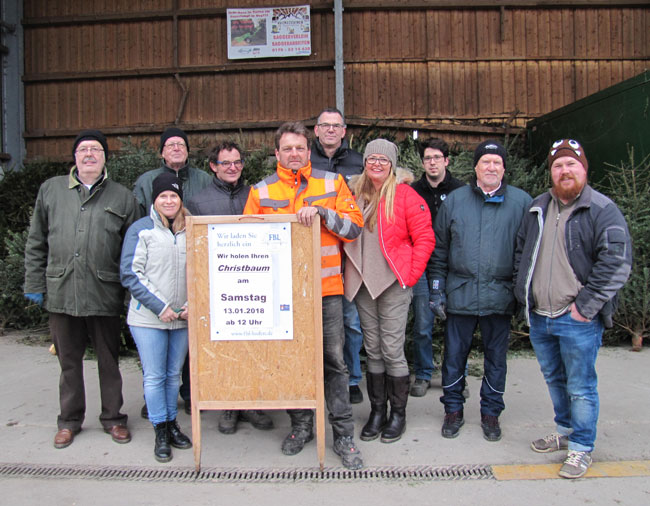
{"x": 179, "y": 219}
{"x": 365, "y": 190}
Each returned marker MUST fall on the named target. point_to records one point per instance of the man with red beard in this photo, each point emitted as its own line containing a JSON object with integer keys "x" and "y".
{"x": 573, "y": 254}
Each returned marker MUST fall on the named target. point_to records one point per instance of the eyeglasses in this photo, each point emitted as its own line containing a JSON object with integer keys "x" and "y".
{"x": 434, "y": 158}
{"x": 327, "y": 126}
{"x": 226, "y": 164}
{"x": 172, "y": 145}
{"x": 94, "y": 150}
{"x": 372, "y": 160}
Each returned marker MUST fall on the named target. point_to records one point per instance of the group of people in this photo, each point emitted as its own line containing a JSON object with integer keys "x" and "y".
{"x": 470, "y": 254}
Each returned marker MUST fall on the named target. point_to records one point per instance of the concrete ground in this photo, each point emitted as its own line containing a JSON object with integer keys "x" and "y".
{"x": 30, "y": 399}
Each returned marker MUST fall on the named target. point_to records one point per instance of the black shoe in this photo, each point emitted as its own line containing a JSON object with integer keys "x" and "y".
{"x": 356, "y": 395}
{"x": 188, "y": 406}
{"x": 143, "y": 412}
{"x": 228, "y": 421}
{"x": 162, "y": 451}
{"x": 397, "y": 388}
{"x": 452, "y": 424}
{"x": 257, "y": 418}
{"x": 491, "y": 428}
{"x": 296, "y": 441}
{"x": 420, "y": 387}
{"x": 176, "y": 438}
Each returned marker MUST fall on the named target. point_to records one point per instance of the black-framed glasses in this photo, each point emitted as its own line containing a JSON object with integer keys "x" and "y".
{"x": 227, "y": 164}
{"x": 434, "y": 158}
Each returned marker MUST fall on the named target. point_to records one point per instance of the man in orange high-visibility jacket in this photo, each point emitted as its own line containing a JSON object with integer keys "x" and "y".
{"x": 298, "y": 189}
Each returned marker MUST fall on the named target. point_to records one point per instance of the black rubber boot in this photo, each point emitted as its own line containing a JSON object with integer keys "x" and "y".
{"x": 162, "y": 451}
{"x": 398, "y": 394}
{"x": 377, "y": 396}
{"x": 302, "y": 423}
{"x": 176, "y": 438}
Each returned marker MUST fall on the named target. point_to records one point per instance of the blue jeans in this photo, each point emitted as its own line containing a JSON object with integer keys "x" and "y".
{"x": 495, "y": 332}
{"x": 566, "y": 350}
{"x": 353, "y": 341}
{"x": 162, "y": 353}
{"x": 422, "y": 331}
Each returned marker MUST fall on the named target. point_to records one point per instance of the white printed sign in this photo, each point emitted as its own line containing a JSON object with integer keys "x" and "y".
{"x": 269, "y": 32}
{"x": 250, "y": 281}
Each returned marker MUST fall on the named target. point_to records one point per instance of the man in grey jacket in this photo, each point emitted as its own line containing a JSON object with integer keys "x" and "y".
{"x": 227, "y": 195}
{"x": 573, "y": 255}
{"x": 73, "y": 256}
{"x": 471, "y": 272}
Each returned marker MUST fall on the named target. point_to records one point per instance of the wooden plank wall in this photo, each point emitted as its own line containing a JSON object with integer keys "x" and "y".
{"x": 462, "y": 71}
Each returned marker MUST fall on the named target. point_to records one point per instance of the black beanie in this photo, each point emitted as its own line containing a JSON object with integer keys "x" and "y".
{"x": 490, "y": 147}
{"x": 173, "y": 132}
{"x": 91, "y": 135}
{"x": 166, "y": 182}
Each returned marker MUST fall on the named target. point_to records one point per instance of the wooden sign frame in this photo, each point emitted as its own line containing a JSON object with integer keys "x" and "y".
{"x": 266, "y": 374}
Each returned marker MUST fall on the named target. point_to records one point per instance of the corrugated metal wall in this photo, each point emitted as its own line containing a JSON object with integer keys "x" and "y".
{"x": 134, "y": 67}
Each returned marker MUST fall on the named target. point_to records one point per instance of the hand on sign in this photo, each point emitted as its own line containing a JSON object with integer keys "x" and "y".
{"x": 306, "y": 215}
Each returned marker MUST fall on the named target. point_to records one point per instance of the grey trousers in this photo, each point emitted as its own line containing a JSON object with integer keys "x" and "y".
{"x": 383, "y": 321}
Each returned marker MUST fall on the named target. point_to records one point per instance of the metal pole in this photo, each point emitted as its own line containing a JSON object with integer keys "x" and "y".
{"x": 338, "y": 55}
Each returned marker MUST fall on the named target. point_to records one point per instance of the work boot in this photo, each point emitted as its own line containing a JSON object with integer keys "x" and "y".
{"x": 452, "y": 424}
{"x": 162, "y": 451}
{"x": 176, "y": 438}
{"x": 296, "y": 441}
{"x": 350, "y": 455}
{"x": 257, "y": 418}
{"x": 491, "y": 427}
{"x": 228, "y": 421}
{"x": 398, "y": 394}
{"x": 377, "y": 394}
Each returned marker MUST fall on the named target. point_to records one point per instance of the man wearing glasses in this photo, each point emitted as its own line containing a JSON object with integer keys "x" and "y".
{"x": 174, "y": 150}
{"x": 227, "y": 195}
{"x": 73, "y": 255}
{"x": 434, "y": 186}
{"x": 331, "y": 151}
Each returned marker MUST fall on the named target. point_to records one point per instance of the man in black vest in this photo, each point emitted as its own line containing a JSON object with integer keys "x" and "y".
{"x": 433, "y": 187}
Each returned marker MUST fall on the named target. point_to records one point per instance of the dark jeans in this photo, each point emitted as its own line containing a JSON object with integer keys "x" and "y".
{"x": 422, "y": 331}
{"x": 495, "y": 332}
{"x": 335, "y": 372}
{"x": 185, "y": 380}
{"x": 71, "y": 334}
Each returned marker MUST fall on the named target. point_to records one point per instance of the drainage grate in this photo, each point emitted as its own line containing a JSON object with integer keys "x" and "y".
{"x": 234, "y": 475}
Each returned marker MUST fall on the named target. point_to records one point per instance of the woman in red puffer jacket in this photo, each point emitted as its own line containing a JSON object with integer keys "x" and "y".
{"x": 382, "y": 265}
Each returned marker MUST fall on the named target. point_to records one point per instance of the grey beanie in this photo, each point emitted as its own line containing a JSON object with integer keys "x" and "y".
{"x": 382, "y": 147}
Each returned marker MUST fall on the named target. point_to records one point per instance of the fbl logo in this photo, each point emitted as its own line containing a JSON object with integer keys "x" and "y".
{"x": 274, "y": 237}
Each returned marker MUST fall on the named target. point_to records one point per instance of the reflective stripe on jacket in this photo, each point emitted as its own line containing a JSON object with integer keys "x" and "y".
{"x": 285, "y": 192}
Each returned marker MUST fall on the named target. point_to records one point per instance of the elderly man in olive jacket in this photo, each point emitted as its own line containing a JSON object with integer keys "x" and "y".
{"x": 73, "y": 257}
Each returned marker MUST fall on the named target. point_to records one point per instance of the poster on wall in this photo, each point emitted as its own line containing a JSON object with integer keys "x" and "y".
{"x": 250, "y": 281}
{"x": 269, "y": 32}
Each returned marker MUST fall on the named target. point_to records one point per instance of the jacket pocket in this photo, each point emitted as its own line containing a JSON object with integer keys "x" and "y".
{"x": 108, "y": 277}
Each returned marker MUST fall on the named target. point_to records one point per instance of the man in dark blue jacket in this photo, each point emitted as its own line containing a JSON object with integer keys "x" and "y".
{"x": 471, "y": 273}
{"x": 434, "y": 186}
{"x": 330, "y": 151}
{"x": 573, "y": 255}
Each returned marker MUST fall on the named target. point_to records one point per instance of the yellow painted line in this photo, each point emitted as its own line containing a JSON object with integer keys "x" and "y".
{"x": 625, "y": 468}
